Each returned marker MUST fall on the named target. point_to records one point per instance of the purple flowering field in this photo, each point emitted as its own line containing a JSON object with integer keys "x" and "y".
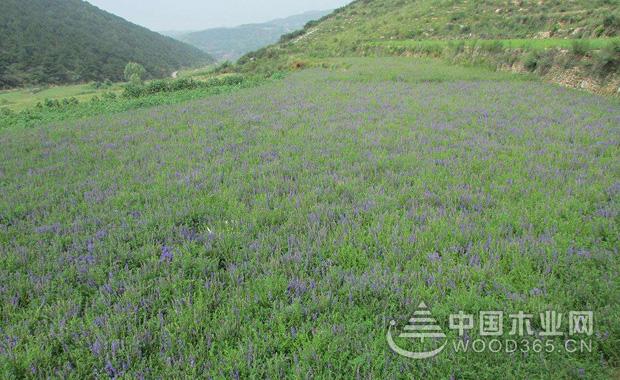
{"x": 276, "y": 231}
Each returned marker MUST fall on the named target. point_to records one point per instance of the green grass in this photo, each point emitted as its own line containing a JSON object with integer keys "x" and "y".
{"x": 21, "y": 99}
{"x": 595, "y": 59}
{"x": 197, "y": 73}
{"x": 33, "y": 116}
{"x": 27, "y": 98}
{"x": 426, "y": 70}
{"x": 527, "y": 44}
{"x": 274, "y": 231}
{"x": 361, "y": 22}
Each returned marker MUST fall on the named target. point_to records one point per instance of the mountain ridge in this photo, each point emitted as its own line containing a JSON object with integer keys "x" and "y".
{"x": 230, "y": 43}
{"x": 73, "y": 41}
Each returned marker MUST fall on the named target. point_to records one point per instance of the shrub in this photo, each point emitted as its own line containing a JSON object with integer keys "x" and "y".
{"x": 133, "y": 90}
{"x": 312, "y": 23}
{"x": 291, "y": 36}
{"x": 492, "y": 46}
{"x": 608, "y": 59}
{"x": 70, "y": 101}
{"x": 531, "y": 60}
{"x": 611, "y": 23}
{"x": 456, "y": 48}
{"x": 413, "y": 34}
{"x": 109, "y": 95}
{"x": 51, "y": 103}
{"x": 99, "y": 85}
{"x": 545, "y": 61}
{"x": 431, "y": 49}
{"x": 156, "y": 86}
{"x": 580, "y": 47}
{"x": 165, "y": 85}
{"x": 58, "y": 103}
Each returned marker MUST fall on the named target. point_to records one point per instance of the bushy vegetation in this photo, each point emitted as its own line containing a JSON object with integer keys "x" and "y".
{"x": 133, "y": 96}
{"x": 134, "y": 90}
{"x": 70, "y": 41}
{"x": 275, "y": 232}
{"x": 607, "y": 60}
{"x": 580, "y": 47}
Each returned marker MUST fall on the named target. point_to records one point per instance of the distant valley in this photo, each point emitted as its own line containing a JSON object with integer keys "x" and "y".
{"x": 229, "y": 44}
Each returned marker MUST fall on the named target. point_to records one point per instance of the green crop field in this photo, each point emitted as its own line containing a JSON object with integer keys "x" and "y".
{"x": 276, "y": 230}
{"x": 401, "y": 189}
{"x": 22, "y": 99}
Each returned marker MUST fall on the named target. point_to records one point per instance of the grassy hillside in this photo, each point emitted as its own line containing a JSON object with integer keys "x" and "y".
{"x": 274, "y": 232}
{"x": 68, "y": 41}
{"x": 365, "y": 24}
{"x": 376, "y": 20}
{"x": 228, "y": 44}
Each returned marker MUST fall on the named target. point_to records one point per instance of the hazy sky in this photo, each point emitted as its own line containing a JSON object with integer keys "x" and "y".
{"x": 164, "y": 15}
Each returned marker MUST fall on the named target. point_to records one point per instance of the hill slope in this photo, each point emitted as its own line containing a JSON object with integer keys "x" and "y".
{"x": 67, "y": 41}
{"x": 232, "y": 43}
{"x": 345, "y": 30}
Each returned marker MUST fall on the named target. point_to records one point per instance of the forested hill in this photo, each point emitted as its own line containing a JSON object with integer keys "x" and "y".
{"x": 68, "y": 41}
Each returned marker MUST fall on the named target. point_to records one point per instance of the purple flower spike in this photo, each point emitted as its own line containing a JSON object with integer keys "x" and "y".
{"x": 166, "y": 255}
{"x": 434, "y": 257}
